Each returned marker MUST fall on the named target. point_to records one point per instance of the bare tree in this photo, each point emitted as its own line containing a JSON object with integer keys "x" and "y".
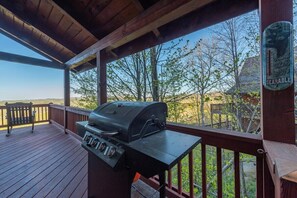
{"x": 203, "y": 72}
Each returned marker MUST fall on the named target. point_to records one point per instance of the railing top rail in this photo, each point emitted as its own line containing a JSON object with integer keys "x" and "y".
{"x": 85, "y": 112}
{"x": 236, "y": 141}
{"x": 40, "y": 105}
{"x": 56, "y": 106}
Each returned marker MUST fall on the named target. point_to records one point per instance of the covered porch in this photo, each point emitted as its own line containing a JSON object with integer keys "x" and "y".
{"x": 77, "y": 41}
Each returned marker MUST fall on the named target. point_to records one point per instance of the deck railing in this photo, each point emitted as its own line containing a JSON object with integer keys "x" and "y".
{"x": 41, "y": 114}
{"x": 237, "y": 143}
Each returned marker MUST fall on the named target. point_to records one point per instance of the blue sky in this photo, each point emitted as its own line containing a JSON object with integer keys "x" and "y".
{"x": 23, "y": 82}
{"x": 20, "y": 81}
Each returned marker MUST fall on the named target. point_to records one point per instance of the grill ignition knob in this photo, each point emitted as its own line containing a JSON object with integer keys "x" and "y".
{"x": 90, "y": 141}
{"x": 94, "y": 143}
{"x": 87, "y": 137}
{"x": 102, "y": 146}
{"x": 111, "y": 152}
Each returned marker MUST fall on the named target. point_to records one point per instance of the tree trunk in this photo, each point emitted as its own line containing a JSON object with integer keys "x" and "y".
{"x": 138, "y": 76}
{"x": 155, "y": 83}
{"x": 202, "y": 109}
{"x": 144, "y": 75}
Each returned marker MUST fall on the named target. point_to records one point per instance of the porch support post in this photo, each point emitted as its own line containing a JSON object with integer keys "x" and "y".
{"x": 66, "y": 96}
{"x": 278, "y": 122}
{"x": 66, "y": 87}
{"x": 101, "y": 78}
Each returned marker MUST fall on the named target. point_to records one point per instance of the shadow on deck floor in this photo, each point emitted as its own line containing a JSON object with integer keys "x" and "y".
{"x": 47, "y": 163}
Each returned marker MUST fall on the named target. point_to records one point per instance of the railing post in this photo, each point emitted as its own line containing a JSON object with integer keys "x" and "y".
{"x": 268, "y": 183}
{"x": 49, "y": 113}
{"x": 65, "y": 119}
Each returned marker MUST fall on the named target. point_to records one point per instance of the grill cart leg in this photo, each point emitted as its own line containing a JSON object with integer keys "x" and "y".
{"x": 162, "y": 184}
{"x": 104, "y": 182}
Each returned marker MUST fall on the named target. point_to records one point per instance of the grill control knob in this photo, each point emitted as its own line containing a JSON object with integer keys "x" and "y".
{"x": 87, "y": 137}
{"x": 102, "y": 146}
{"x": 94, "y": 142}
{"x": 111, "y": 152}
{"x": 98, "y": 144}
{"x": 89, "y": 143}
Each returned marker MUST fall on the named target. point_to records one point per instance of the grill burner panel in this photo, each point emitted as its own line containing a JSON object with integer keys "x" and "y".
{"x": 110, "y": 153}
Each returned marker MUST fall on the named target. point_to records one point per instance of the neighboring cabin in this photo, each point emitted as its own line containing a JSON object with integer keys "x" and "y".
{"x": 249, "y": 82}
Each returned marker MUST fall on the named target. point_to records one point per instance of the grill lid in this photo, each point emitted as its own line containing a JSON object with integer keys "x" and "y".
{"x": 132, "y": 120}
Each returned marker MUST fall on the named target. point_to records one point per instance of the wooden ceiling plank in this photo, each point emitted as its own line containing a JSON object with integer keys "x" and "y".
{"x": 109, "y": 11}
{"x": 116, "y": 21}
{"x": 34, "y": 23}
{"x": 159, "y": 14}
{"x": 211, "y": 14}
{"x": 68, "y": 28}
{"x": 30, "y": 61}
{"x": 38, "y": 6}
{"x": 70, "y": 17}
{"x": 83, "y": 11}
{"x": 24, "y": 37}
{"x": 139, "y": 6}
{"x": 75, "y": 35}
{"x": 49, "y": 14}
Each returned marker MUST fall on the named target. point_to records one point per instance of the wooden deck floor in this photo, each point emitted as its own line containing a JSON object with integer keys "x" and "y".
{"x": 46, "y": 163}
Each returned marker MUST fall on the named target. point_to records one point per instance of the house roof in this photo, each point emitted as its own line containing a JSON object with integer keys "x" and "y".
{"x": 71, "y": 32}
{"x": 249, "y": 77}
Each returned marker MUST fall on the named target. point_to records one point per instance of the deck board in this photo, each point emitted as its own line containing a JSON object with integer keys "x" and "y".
{"x": 46, "y": 163}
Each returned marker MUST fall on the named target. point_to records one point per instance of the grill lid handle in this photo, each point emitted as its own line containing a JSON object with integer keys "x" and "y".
{"x": 100, "y": 132}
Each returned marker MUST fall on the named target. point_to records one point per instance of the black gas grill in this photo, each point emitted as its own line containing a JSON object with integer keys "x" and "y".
{"x": 123, "y": 138}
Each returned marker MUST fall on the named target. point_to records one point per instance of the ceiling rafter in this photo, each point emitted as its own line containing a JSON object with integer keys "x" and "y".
{"x": 193, "y": 21}
{"x": 157, "y": 15}
{"x": 30, "y": 60}
{"x": 140, "y": 8}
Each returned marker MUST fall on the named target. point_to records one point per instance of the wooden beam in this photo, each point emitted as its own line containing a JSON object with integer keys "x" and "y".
{"x": 159, "y": 14}
{"x": 278, "y": 120}
{"x": 211, "y": 14}
{"x": 18, "y": 40}
{"x": 30, "y": 61}
{"x": 140, "y": 8}
{"x": 101, "y": 79}
{"x": 66, "y": 87}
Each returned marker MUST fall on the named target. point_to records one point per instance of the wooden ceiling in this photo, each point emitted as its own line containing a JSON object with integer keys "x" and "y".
{"x": 70, "y": 32}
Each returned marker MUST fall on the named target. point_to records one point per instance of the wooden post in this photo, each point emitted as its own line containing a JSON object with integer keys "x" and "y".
{"x": 278, "y": 122}
{"x": 101, "y": 79}
{"x": 66, "y": 87}
{"x": 66, "y": 96}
